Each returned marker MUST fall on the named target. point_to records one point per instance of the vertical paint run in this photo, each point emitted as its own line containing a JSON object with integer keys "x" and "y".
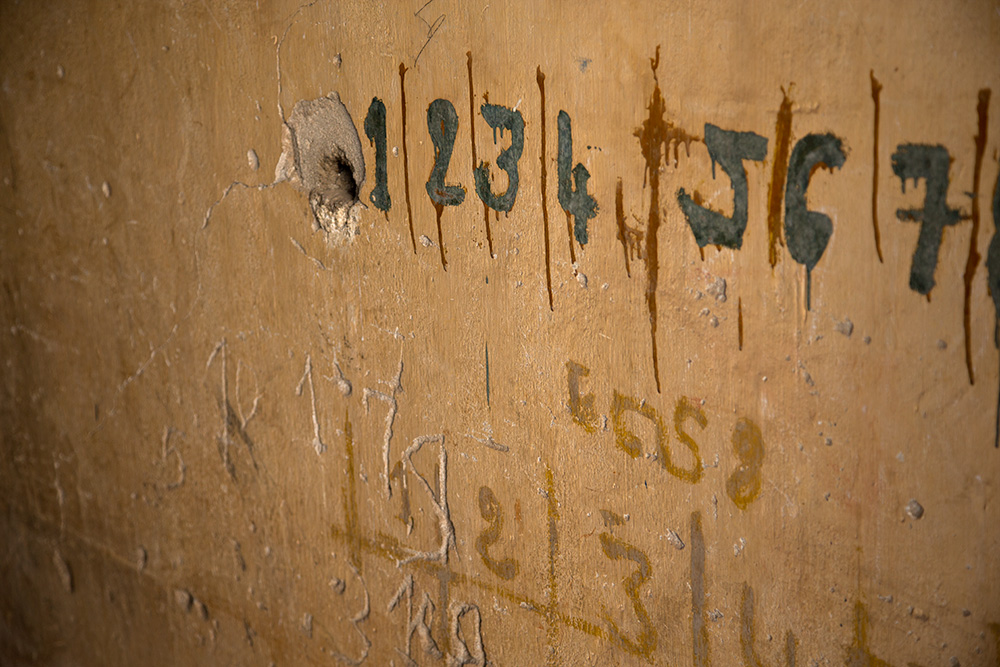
{"x": 406, "y": 160}
{"x": 540, "y": 79}
{"x": 860, "y": 652}
{"x": 475, "y": 158}
{"x": 809, "y": 289}
{"x": 569, "y": 233}
{"x": 351, "y": 496}
{"x": 444, "y": 598}
{"x": 739, "y": 320}
{"x": 791, "y": 646}
{"x": 438, "y": 210}
{"x": 699, "y": 625}
{"x": 655, "y": 137}
{"x": 552, "y": 609}
{"x": 983, "y": 111}
{"x": 782, "y": 141}
{"x": 993, "y": 284}
{"x": 651, "y": 136}
{"x": 748, "y": 638}
{"x": 747, "y": 629}
{"x": 876, "y": 95}
{"x": 995, "y": 629}
{"x": 620, "y": 218}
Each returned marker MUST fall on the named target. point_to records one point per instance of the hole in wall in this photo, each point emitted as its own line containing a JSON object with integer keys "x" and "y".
{"x": 321, "y": 156}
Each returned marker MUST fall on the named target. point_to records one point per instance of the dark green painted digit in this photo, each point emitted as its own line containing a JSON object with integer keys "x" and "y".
{"x": 808, "y": 232}
{"x": 375, "y": 131}
{"x": 993, "y": 254}
{"x": 931, "y": 163}
{"x": 573, "y": 196}
{"x": 729, "y": 149}
{"x": 442, "y": 123}
{"x": 502, "y": 118}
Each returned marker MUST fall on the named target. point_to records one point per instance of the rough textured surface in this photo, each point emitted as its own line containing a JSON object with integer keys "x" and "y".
{"x": 226, "y": 440}
{"x": 321, "y": 155}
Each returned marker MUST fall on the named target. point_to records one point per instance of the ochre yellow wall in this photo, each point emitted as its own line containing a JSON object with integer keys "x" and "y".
{"x": 237, "y": 431}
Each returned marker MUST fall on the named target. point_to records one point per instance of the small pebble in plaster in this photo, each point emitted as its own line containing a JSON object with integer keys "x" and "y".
{"x": 343, "y": 384}
{"x": 846, "y": 327}
{"x": 106, "y": 189}
{"x": 739, "y": 546}
{"x": 718, "y": 290}
{"x": 253, "y": 160}
{"x": 60, "y": 71}
{"x": 184, "y": 599}
{"x": 582, "y": 279}
{"x": 714, "y": 321}
{"x": 914, "y": 509}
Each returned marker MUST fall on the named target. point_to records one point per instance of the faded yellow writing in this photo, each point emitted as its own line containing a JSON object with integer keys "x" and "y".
{"x": 629, "y": 442}
{"x": 491, "y": 511}
{"x": 859, "y": 654}
{"x": 748, "y": 634}
{"x": 684, "y": 410}
{"x": 626, "y": 440}
{"x": 743, "y": 486}
{"x": 645, "y": 643}
{"x": 581, "y": 407}
{"x": 404, "y": 516}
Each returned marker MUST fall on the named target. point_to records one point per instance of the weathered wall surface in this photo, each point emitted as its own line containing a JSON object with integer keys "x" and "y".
{"x": 708, "y": 376}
